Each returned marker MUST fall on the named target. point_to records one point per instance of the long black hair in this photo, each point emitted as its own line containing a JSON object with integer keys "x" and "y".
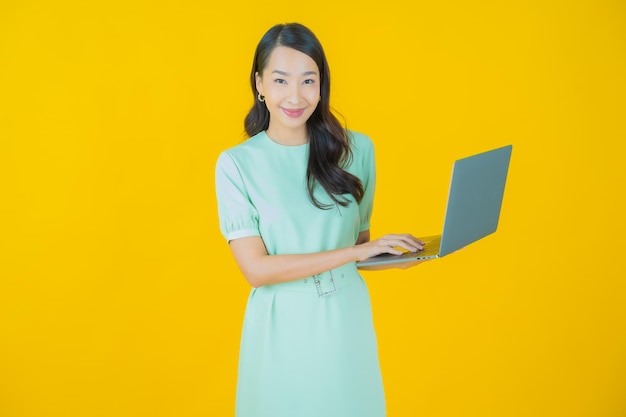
{"x": 329, "y": 143}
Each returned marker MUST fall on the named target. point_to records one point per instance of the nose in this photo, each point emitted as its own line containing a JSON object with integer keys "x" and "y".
{"x": 294, "y": 93}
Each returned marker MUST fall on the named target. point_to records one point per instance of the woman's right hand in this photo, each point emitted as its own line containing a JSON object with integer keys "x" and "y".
{"x": 394, "y": 244}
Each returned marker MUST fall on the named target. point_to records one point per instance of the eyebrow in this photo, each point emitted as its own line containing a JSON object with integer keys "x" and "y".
{"x": 279, "y": 72}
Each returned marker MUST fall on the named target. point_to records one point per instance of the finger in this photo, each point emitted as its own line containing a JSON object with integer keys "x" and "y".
{"x": 419, "y": 244}
{"x": 415, "y": 243}
{"x": 409, "y": 245}
{"x": 392, "y": 250}
{"x": 408, "y": 239}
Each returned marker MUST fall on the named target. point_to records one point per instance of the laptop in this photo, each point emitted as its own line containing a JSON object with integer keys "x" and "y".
{"x": 472, "y": 211}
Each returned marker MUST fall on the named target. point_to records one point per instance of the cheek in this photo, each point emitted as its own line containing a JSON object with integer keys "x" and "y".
{"x": 273, "y": 93}
{"x": 313, "y": 94}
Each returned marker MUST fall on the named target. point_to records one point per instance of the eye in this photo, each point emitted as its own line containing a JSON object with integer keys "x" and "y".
{"x": 280, "y": 81}
{"x": 309, "y": 81}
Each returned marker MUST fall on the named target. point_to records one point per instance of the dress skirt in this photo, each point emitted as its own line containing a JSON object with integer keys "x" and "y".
{"x": 308, "y": 349}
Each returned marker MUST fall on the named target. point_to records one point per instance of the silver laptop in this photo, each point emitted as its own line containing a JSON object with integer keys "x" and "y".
{"x": 473, "y": 208}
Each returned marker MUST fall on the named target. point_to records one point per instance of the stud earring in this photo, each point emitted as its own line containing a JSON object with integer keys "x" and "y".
{"x": 260, "y": 97}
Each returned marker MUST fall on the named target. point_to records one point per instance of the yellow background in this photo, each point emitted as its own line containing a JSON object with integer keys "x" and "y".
{"x": 118, "y": 295}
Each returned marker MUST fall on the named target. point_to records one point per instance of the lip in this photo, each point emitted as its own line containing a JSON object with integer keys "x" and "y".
{"x": 294, "y": 113}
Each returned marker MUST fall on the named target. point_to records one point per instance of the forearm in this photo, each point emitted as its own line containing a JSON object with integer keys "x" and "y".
{"x": 259, "y": 268}
{"x": 273, "y": 269}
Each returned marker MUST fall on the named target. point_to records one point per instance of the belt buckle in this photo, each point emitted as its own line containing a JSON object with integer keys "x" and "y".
{"x": 326, "y": 290}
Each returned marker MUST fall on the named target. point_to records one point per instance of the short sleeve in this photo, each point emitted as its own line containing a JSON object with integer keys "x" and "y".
{"x": 368, "y": 179}
{"x": 238, "y": 216}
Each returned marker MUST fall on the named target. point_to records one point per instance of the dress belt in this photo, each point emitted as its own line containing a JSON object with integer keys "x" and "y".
{"x": 323, "y": 284}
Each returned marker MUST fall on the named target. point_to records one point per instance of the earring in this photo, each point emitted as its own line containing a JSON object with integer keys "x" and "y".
{"x": 260, "y": 98}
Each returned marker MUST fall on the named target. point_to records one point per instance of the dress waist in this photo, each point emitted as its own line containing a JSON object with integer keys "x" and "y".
{"x": 323, "y": 284}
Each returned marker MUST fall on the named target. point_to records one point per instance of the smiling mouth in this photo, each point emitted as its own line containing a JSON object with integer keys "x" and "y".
{"x": 293, "y": 112}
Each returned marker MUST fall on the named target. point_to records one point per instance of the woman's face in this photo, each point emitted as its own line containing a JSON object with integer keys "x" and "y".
{"x": 291, "y": 85}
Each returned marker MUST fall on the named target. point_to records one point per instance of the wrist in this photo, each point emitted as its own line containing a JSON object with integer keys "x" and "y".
{"x": 354, "y": 253}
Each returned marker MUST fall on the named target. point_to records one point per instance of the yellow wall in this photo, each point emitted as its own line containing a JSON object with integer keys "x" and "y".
{"x": 119, "y": 297}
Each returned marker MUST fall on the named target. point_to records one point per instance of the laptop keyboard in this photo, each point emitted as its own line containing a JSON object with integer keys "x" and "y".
{"x": 431, "y": 247}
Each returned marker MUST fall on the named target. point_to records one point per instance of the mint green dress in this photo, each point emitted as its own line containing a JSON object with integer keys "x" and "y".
{"x": 308, "y": 347}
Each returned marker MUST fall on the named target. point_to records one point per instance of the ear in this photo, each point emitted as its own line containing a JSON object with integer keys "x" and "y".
{"x": 259, "y": 82}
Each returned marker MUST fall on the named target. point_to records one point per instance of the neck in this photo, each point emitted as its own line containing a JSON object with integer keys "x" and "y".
{"x": 288, "y": 137}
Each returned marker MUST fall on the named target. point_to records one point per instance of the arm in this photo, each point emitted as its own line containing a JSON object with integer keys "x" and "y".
{"x": 260, "y": 269}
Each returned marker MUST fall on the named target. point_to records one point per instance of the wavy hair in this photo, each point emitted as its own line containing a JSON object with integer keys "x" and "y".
{"x": 329, "y": 143}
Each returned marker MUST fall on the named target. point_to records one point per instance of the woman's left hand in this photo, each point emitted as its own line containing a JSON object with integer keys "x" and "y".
{"x": 400, "y": 265}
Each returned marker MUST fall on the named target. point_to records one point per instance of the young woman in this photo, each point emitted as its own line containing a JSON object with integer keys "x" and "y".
{"x": 295, "y": 201}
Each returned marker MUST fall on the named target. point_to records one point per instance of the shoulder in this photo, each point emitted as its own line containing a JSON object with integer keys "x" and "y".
{"x": 362, "y": 159}
{"x": 358, "y": 139}
{"x": 360, "y": 144}
{"x": 246, "y": 150}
